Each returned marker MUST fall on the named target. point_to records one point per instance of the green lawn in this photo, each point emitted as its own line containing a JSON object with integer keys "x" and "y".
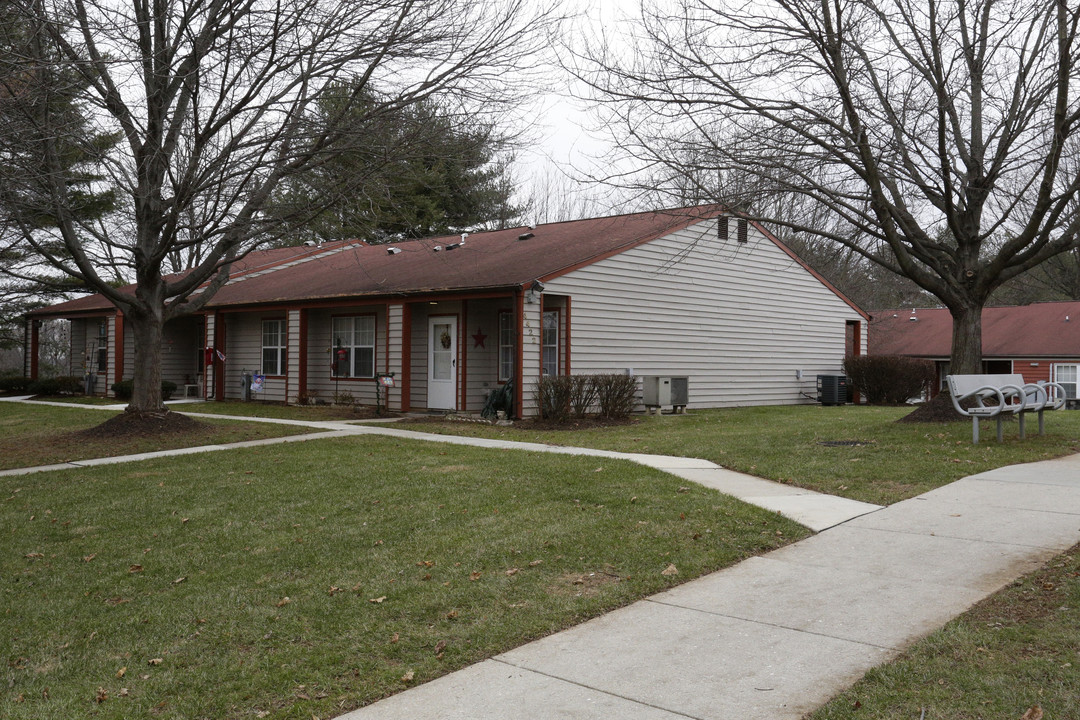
{"x": 894, "y": 461}
{"x": 1017, "y": 649}
{"x": 301, "y": 580}
{"x": 33, "y": 435}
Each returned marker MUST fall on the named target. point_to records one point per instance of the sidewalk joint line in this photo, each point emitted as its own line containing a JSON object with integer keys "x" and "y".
{"x": 596, "y": 689}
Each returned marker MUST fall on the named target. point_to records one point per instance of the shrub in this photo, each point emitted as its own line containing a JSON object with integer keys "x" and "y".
{"x": 582, "y": 394}
{"x": 168, "y": 387}
{"x": 552, "y": 396}
{"x": 889, "y": 379}
{"x": 501, "y": 398}
{"x": 14, "y": 384}
{"x": 344, "y": 398}
{"x": 311, "y": 397}
{"x": 616, "y": 395}
{"x": 124, "y": 389}
{"x": 63, "y": 385}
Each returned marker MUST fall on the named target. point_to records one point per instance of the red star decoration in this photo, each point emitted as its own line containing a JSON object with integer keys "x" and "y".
{"x": 479, "y": 338}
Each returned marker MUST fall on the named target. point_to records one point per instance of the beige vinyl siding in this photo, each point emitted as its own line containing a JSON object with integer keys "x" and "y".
{"x": 77, "y": 338}
{"x": 738, "y": 318}
{"x": 209, "y": 390}
{"x": 243, "y": 340}
{"x": 320, "y": 354}
{"x": 483, "y": 370}
{"x": 292, "y": 384}
{"x": 391, "y": 354}
{"x": 179, "y": 353}
{"x": 530, "y": 357}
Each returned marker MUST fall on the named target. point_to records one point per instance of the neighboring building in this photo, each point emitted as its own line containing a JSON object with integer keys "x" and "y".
{"x": 691, "y": 292}
{"x": 1040, "y": 341}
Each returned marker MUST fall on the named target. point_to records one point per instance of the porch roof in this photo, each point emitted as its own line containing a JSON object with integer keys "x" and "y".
{"x": 490, "y": 260}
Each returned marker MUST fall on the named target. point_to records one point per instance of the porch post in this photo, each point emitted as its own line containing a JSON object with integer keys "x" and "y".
{"x": 404, "y": 378}
{"x": 32, "y": 347}
{"x": 118, "y": 348}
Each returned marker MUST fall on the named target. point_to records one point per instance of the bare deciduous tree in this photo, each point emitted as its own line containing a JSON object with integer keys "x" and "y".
{"x": 931, "y": 132}
{"x": 214, "y": 102}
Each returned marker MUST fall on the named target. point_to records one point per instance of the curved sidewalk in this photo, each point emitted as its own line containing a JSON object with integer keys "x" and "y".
{"x": 777, "y": 636}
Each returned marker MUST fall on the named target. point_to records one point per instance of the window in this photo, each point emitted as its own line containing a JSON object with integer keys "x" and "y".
{"x": 507, "y": 337}
{"x": 103, "y": 346}
{"x": 1066, "y": 376}
{"x": 273, "y": 347}
{"x": 549, "y": 340}
{"x": 354, "y": 346}
{"x": 741, "y": 229}
{"x": 721, "y": 228}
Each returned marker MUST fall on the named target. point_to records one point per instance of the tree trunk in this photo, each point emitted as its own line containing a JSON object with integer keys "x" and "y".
{"x": 148, "y": 333}
{"x": 966, "y": 341}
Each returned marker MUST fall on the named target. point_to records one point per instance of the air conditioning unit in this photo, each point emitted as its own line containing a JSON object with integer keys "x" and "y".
{"x": 832, "y": 389}
{"x": 658, "y": 391}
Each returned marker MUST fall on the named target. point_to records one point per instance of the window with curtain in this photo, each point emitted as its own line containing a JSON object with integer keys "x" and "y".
{"x": 354, "y": 346}
{"x": 506, "y": 345}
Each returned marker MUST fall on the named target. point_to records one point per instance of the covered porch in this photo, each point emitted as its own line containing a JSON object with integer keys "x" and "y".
{"x": 443, "y": 352}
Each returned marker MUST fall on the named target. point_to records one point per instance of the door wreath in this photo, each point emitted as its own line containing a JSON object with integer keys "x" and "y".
{"x": 444, "y": 339}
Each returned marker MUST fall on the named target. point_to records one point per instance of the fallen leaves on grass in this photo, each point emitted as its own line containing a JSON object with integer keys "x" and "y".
{"x": 408, "y": 677}
{"x": 377, "y": 600}
{"x": 670, "y": 570}
{"x": 283, "y": 602}
{"x": 1034, "y": 713}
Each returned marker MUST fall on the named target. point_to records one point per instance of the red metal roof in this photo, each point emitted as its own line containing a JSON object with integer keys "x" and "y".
{"x": 1039, "y": 329}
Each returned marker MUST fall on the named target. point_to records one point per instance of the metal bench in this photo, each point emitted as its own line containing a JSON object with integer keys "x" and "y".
{"x": 996, "y": 395}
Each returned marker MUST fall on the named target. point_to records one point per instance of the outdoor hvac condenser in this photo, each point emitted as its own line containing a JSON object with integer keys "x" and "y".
{"x": 832, "y": 389}
{"x": 658, "y": 391}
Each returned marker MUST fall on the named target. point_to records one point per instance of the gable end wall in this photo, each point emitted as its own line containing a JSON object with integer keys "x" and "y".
{"x": 738, "y": 318}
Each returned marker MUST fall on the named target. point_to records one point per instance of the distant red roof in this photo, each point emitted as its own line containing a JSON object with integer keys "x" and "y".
{"x": 1036, "y": 330}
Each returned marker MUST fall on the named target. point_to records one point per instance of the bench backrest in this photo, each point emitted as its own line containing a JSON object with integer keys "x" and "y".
{"x": 961, "y": 385}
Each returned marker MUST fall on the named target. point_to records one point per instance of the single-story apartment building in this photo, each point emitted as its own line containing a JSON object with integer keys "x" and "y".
{"x": 695, "y": 292}
{"x": 1040, "y": 341}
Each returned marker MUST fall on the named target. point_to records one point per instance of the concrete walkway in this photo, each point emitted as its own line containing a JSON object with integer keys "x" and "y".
{"x": 777, "y": 636}
{"x": 812, "y": 509}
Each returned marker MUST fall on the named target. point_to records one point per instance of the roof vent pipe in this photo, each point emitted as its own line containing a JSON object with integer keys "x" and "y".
{"x": 525, "y": 236}
{"x": 392, "y": 250}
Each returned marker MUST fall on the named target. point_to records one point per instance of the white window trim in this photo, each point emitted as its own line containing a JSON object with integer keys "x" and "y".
{"x": 1075, "y": 382}
{"x": 353, "y": 345}
{"x": 508, "y": 347}
{"x": 280, "y": 350}
{"x": 544, "y": 345}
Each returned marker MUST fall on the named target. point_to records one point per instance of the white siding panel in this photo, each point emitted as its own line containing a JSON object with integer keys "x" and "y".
{"x": 739, "y": 320}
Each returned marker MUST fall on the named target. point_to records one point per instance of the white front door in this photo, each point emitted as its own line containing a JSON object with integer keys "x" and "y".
{"x": 442, "y": 363}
